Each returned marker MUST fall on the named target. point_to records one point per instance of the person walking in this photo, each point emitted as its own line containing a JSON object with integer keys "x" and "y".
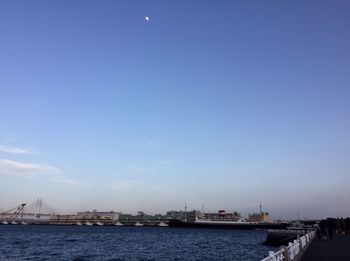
{"x": 331, "y": 227}
{"x": 323, "y": 227}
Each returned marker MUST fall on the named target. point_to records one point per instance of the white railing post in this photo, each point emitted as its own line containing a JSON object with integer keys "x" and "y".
{"x": 290, "y": 251}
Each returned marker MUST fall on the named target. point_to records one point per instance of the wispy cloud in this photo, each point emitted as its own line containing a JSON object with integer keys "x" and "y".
{"x": 122, "y": 186}
{"x": 134, "y": 168}
{"x": 14, "y": 150}
{"x": 153, "y": 144}
{"x": 168, "y": 162}
{"x": 143, "y": 169}
{"x": 16, "y": 168}
{"x": 69, "y": 181}
{"x": 132, "y": 186}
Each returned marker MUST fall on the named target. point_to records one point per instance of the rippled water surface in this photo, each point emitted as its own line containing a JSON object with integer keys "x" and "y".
{"x": 29, "y": 242}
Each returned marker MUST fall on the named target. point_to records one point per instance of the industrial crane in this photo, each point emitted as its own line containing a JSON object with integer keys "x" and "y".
{"x": 12, "y": 218}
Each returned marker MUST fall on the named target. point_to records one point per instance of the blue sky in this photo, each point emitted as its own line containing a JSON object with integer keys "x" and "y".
{"x": 217, "y": 103}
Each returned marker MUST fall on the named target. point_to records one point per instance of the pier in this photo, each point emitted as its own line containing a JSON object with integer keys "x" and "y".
{"x": 311, "y": 247}
{"x": 337, "y": 249}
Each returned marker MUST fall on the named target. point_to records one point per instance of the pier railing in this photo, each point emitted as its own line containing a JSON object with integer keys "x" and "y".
{"x": 293, "y": 250}
{"x": 275, "y": 256}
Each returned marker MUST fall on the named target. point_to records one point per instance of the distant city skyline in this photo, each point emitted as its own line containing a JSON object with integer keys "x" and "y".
{"x": 134, "y": 105}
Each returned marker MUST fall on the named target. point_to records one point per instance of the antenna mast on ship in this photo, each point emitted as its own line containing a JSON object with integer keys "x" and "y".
{"x": 185, "y": 212}
{"x": 261, "y": 214}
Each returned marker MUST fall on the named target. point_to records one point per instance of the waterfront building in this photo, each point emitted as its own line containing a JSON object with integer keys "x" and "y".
{"x": 142, "y": 217}
{"x": 174, "y": 214}
{"x": 182, "y": 215}
{"x": 99, "y": 215}
{"x": 93, "y": 217}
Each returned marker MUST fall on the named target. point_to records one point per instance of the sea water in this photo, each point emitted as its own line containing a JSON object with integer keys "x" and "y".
{"x": 41, "y": 242}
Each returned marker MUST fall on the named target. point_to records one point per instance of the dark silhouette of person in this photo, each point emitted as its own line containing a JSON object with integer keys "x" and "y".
{"x": 323, "y": 227}
{"x": 318, "y": 232}
{"x": 331, "y": 227}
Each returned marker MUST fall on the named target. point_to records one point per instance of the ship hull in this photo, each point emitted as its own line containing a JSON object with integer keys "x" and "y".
{"x": 227, "y": 225}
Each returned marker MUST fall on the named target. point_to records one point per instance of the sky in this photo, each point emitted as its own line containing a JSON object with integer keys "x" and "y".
{"x": 221, "y": 103}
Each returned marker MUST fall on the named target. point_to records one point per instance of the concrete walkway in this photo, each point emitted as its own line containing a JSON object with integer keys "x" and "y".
{"x": 337, "y": 249}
